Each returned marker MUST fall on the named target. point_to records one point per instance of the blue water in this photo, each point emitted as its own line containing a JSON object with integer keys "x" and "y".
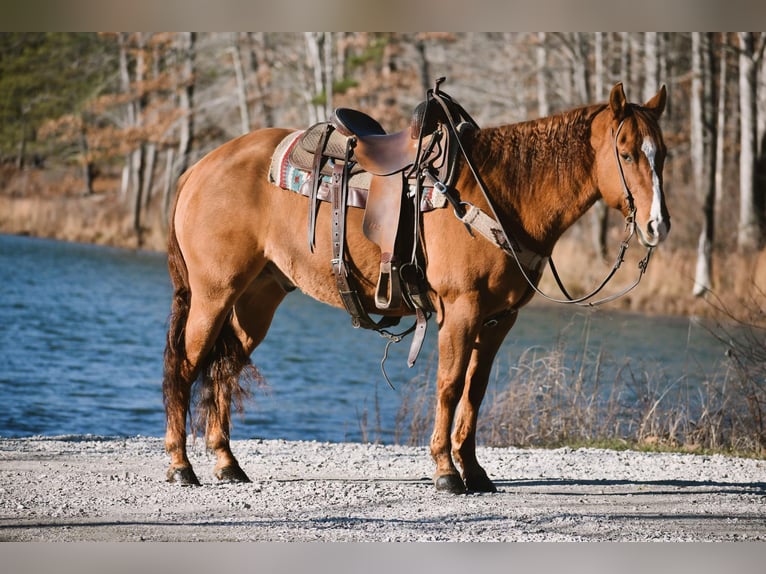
{"x": 82, "y": 332}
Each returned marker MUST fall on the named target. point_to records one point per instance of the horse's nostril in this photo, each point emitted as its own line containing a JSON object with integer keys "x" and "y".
{"x": 651, "y": 227}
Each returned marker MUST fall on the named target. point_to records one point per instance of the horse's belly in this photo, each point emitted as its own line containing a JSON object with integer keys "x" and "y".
{"x": 312, "y": 271}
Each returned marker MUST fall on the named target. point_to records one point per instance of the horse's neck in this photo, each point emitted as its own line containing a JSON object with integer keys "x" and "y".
{"x": 539, "y": 173}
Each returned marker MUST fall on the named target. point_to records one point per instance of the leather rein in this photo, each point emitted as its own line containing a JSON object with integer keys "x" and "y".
{"x": 500, "y": 237}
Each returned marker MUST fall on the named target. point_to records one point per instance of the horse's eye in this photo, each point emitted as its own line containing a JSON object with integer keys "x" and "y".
{"x": 626, "y": 157}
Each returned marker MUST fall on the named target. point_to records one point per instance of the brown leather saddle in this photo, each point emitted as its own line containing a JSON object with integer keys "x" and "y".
{"x": 352, "y": 153}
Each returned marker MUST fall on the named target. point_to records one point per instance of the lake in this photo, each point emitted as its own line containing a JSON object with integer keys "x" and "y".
{"x": 83, "y": 333}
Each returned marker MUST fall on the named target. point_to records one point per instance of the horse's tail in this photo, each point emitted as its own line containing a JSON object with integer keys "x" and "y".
{"x": 175, "y": 386}
{"x": 221, "y": 370}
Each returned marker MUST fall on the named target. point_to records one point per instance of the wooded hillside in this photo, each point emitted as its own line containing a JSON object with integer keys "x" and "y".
{"x": 96, "y": 128}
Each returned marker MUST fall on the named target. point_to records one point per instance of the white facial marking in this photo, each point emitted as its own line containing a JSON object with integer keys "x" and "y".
{"x": 655, "y": 214}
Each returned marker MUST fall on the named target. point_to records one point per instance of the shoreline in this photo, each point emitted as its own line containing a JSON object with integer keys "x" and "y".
{"x": 106, "y": 489}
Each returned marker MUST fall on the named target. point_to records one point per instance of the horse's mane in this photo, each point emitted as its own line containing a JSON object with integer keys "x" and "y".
{"x": 542, "y": 167}
{"x": 556, "y": 146}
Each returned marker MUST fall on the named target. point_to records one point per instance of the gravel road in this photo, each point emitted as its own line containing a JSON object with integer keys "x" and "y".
{"x": 85, "y": 488}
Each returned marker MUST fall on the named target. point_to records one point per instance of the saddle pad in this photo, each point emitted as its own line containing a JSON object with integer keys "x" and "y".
{"x": 286, "y": 175}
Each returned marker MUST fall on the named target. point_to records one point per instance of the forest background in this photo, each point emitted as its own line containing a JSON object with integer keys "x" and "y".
{"x": 96, "y": 128}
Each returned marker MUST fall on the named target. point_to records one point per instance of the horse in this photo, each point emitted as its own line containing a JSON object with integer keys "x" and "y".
{"x": 236, "y": 248}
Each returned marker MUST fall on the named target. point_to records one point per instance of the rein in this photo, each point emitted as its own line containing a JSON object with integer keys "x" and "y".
{"x": 492, "y": 229}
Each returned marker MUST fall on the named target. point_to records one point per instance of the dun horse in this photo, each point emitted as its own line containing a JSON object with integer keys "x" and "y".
{"x": 237, "y": 247}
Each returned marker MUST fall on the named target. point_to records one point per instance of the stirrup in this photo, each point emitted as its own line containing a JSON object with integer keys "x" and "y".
{"x": 388, "y": 292}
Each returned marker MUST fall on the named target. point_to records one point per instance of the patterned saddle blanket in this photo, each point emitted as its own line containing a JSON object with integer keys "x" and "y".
{"x": 291, "y": 167}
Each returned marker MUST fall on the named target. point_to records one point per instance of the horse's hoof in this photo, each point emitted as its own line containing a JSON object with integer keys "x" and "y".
{"x": 450, "y": 483}
{"x": 183, "y": 475}
{"x": 231, "y": 473}
{"x": 480, "y": 483}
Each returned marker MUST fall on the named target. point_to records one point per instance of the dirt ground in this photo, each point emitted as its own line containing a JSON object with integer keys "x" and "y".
{"x": 74, "y": 489}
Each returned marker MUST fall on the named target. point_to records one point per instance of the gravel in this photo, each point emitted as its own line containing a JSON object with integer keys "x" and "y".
{"x": 87, "y": 488}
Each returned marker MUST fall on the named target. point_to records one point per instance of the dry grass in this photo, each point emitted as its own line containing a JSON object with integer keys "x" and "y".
{"x": 548, "y": 398}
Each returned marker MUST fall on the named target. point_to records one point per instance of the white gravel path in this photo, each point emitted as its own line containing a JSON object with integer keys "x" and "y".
{"x": 112, "y": 489}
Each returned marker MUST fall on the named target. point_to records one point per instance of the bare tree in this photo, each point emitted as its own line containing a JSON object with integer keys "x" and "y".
{"x": 186, "y": 46}
{"x": 257, "y": 66}
{"x": 150, "y": 148}
{"x": 123, "y": 40}
{"x": 651, "y": 65}
{"x": 749, "y": 232}
{"x": 132, "y": 86}
{"x": 625, "y": 59}
{"x": 239, "y": 74}
{"x": 578, "y": 49}
{"x": 87, "y": 164}
{"x": 721, "y": 124}
{"x": 317, "y": 97}
{"x": 703, "y": 145}
{"x": 599, "y": 215}
{"x": 186, "y": 100}
{"x": 541, "y": 55}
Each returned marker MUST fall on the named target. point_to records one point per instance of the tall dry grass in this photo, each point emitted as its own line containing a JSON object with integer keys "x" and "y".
{"x": 551, "y": 398}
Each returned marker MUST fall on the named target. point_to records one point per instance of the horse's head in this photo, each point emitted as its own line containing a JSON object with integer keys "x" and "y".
{"x": 630, "y": 154}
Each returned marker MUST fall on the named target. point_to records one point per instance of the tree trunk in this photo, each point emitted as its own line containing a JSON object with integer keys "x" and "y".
{"x": 329, "y": 74}
{"x": 137, "y": 159}
{"x": 259, "y": 66}
{"x": 186, "y": 101}
{"x": 151, "y": 144}
{"x": 541, "y": 54}
{"x": 749, "y": 232}
{"x": 696, "y": 132}
{"x": 424, "y": 66}
{"x": 599, "y": 214}
{"x": 239, "y": 73}
{"x": 651, "y": 65}
{"x": 169, "y": 188}
{"x": 173, "y": 170}
{"x": 760, "y": 166}
{"x": 721, "y": 127}
{"x": 579, "y": 52}
{"x": 314, "y": 95}
{"x": 625, "y": 58}
{"x": 601, "y": 71}
{"x": 130, "y": 111}
{"x": 87, "y": 165}
{"x": 703, "y": 159}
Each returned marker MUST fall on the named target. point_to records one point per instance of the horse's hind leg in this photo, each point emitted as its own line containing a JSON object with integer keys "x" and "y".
{"x": 190, "y": 337}
{"x": 243, "y": 331}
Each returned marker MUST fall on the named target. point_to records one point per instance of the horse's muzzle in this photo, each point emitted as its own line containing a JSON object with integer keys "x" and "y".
{"x": 655, "y": 232}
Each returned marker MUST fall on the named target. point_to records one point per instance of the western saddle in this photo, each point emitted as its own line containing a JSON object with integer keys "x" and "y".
{"x": 400, "y": 166}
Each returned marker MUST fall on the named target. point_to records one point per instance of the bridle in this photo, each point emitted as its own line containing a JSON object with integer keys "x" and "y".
{"x": 630, "y": 229}
{"x": 511, "y": 247}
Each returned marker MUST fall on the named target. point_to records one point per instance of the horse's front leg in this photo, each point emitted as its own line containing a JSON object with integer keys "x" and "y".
{"x": 456, "y": 335}
{"x": 487, "y": 344}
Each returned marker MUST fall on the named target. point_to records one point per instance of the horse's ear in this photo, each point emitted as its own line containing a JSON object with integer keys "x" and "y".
{"x": 657, "y": 103}
{"x": 617, "y": 101}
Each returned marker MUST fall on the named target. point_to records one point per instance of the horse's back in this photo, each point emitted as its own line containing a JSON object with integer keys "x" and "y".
{"x": 234, "y": 164}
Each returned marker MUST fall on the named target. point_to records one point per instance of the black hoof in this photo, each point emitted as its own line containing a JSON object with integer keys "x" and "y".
{"x": 479, "y": 484}
{"x": 184, "y": 476}
{"x": 450, "y": 483}
{"x": 231, "y": 473}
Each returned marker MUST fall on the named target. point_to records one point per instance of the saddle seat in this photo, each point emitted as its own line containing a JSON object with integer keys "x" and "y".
{"x": 376, "y": 151}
